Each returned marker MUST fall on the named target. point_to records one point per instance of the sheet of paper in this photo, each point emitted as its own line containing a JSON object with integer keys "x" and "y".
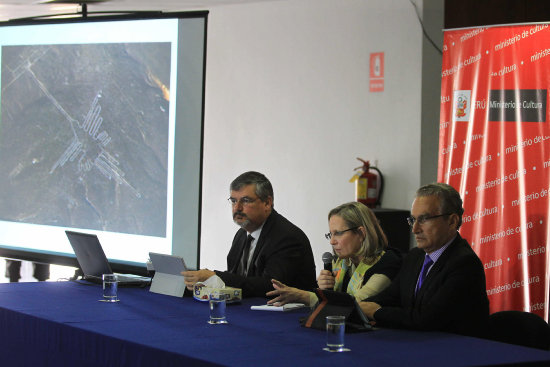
{"x": 287, "y": 307}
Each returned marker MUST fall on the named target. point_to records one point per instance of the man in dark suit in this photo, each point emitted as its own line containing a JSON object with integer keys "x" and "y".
{"x": 441, "y": 285}
{"x": 267, "y": 246}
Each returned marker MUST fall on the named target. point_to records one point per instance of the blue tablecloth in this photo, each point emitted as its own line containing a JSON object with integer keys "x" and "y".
{"x": 64, "y": 324}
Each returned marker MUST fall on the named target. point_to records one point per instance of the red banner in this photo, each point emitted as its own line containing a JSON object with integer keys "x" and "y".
{"x": 494, "y": 148}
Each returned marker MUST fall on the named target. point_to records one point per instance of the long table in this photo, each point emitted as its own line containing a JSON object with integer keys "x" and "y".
{"x": 65, "y": 324}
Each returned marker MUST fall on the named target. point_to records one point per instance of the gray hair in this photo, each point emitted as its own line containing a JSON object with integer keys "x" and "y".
{"x": 450, "y": 201}
{"x": 263, "y": 189}
{"x": 356, "y": 214}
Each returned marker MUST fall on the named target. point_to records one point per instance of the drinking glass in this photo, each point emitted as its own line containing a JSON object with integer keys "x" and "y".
{"x": 110, "y": 288}
{"x": 217, "y": 309}
{"x": 336, "y": 328}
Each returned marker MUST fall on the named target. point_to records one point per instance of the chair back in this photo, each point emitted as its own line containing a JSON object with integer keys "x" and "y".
{"x": 520, "y": 328}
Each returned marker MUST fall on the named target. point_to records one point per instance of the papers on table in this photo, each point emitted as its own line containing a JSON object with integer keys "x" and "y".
{"x": 287, "y": 307}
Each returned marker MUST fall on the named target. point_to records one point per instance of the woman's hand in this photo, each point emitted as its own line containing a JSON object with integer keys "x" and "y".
{"x": 326, "y": 280}
{"x": 284, "y": 294}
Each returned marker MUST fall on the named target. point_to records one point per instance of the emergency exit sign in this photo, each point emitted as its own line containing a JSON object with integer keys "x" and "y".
{"x": 376, "y": 79}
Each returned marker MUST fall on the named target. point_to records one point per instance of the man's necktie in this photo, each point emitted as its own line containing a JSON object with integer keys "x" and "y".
{"x": 244, "y": 258}
{"x": 425, "y": 267}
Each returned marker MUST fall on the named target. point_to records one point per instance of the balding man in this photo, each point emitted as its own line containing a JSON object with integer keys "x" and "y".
{"x": 441, "y": 285}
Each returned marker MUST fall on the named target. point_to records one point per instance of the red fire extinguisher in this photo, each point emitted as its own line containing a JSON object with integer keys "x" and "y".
{"x": 368, "y": 185}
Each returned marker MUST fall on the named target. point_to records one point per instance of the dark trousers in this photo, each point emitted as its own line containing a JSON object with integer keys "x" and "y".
{"x": 13, "y": 270}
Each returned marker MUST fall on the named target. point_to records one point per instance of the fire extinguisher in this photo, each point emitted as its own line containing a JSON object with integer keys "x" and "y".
{"x": 368, "y": 185}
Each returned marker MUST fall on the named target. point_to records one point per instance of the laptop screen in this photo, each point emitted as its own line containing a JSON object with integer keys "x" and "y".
{"x": 89, "y": 253}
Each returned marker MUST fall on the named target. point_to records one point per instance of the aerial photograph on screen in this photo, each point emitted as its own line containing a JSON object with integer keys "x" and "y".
{"x": 84, "y": 136}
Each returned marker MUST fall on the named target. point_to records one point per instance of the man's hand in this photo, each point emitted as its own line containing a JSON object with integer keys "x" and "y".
{"x": 193, "y": 276}
{"x": 369, "y": 308}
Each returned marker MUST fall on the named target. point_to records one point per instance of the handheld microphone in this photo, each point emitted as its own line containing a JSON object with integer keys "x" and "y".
{"x": 327, "y": 261}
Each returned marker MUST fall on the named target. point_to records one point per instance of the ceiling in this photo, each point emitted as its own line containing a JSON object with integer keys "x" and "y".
{"x": 14, "y": 9}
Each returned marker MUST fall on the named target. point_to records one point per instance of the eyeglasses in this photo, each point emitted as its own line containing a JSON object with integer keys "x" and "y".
{"x": 243, "y": 201}
{"x": 329, "y": 235}
{"x": 423, "y": 218}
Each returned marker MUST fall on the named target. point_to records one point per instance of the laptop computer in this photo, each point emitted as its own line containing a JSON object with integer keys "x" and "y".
{"x": 94, "y": 263}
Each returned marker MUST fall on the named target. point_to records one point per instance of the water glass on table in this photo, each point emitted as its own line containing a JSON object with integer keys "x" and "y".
{"x": 217, "y": 309}
{"x": 336, "y": 328}
{"x": 110, "y": 288}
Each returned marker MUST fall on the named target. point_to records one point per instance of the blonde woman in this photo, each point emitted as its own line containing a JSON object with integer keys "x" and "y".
{"x": 363, "y": 266}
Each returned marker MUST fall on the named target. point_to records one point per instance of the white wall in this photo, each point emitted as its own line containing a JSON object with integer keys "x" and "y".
{"x": 287, "y": 95}
{"x": 433, "y": 15}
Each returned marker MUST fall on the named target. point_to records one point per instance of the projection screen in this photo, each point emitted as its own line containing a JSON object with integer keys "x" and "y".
{"x": 101, "y": 128}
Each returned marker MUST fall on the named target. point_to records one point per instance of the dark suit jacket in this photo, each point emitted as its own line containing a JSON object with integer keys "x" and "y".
{"x": 453, "y": 297}
{"x": 283, "y": 252}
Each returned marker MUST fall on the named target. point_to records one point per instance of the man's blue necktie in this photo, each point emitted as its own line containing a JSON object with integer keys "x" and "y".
{"x": 425, "y": 267}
